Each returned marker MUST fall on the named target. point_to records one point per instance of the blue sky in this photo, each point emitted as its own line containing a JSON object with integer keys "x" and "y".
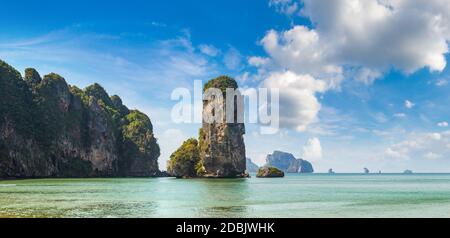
{"x": 365, "y": 82}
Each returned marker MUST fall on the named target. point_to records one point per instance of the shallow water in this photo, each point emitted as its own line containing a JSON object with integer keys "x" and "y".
{"x": 316, "y": 195}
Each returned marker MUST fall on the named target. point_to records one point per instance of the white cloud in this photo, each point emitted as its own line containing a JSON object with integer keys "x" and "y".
{"x": 434, "y": 136}
{"x": 421, "y": 146}
{"x": 443, "y": 124}
{"x": 432, "y": 156}
{"x": 209, "y": 50}
{"x": 368, "y": 37}
{"x": 405, "y": 34}
{"x": 379, "y": 117}
{"x": 365, "y": 75}
{"x": 409, "y": 104}
{"x": 396, "y": 154}
{"x": 298, "y": 103}
{"x": 300, "y": 50}
{"x": 158, "y": 24}
{"x": 233, "y": 59}
{"x": 312, "y": 151}
{"x": 258, "y": 61}
{"x": 400, "y": 115}
{"x": 359, "y": 39}
{"x": 288, "y": 7}
{"x": 441, "y": 82}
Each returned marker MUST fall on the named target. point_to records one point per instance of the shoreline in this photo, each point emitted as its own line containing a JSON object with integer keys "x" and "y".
{"x": 224, "y": 178}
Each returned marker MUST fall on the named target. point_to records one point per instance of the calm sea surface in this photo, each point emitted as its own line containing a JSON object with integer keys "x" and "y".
{"x": 317, "y": 195}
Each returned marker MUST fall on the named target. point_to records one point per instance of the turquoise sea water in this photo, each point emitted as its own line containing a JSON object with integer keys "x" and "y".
{"x": 317, "y": 195}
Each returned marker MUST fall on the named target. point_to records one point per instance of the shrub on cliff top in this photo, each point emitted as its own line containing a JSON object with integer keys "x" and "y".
{"x": 222, "y": 83}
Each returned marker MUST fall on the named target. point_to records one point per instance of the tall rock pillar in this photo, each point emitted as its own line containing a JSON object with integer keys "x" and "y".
{"x": 222, "y": 148}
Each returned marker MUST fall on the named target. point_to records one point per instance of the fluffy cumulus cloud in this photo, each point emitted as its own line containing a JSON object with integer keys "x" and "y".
{"x": 421, "y": 146}
{"x": 301, "y": 51}
{"x": 380, "y": 34}
{"x": 312, "y": 150}
{"x": 358, "y": 39}
{"x": 298, "y": 103}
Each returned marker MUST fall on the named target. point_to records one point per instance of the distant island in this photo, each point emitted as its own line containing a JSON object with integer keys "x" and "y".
{"x": 283, "y": 161}
{"x": 288, "y": 163}
{"x": 251, "y": 167}
{"x": 408, "y": 171}
{"x": 51, "y": 129}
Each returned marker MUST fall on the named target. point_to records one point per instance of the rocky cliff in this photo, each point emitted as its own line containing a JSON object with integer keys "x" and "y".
{"x": 51, "y": 129}
{"x": 221, "y": 148}
{"x": 288, "y": 163}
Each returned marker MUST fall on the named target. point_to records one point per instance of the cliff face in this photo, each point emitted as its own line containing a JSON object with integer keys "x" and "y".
{"x": 51, "y": 129}
{"x": 288, "y": 163}
{"x": 222, "y": 148}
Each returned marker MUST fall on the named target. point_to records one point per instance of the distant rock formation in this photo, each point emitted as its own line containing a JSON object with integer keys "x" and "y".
{"x": 330, "y": 171}
{"x": 251, "y": 167}
{"x": 51, "y": 129}
{"x": 269, "y": 172}
{"x": 300, "y": 166}
{"x": 408, "y": 171}
{"x": 366, "y": 171}
{"x": 288, "y": 163}
{"x": 221, "y": 148}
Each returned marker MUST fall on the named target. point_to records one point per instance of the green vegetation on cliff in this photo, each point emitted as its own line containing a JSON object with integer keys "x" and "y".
{"x": 51, "y": 129}
{"x": 183, "y": 162}
{"x": 222, "y": 83}
{"x": 139, "y": 143}
{"x": 16, "y": 99}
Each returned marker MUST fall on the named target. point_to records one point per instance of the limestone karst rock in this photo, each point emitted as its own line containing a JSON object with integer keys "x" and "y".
{"x": 251, "y": 167}
{"x": 51, "y": 129}
{"x": 300, "y": 166}
{"x": 269, "y": 172}
{"x": 288, "y": 163}
{"x": 222, "y": 148}
{"x": 221, "y": 142}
